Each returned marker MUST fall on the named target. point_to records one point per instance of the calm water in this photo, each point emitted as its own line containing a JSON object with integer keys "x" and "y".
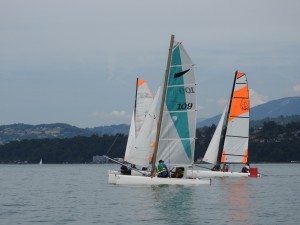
{"x": 79, "y": 194}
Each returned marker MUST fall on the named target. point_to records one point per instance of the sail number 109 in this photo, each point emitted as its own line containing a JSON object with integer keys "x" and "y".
{"x": 184, "y": 106}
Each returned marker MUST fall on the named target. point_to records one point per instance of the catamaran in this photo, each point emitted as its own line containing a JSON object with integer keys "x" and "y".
{"x": 176, "y": 127}
{"x": 232, "y": 146}
{"x": 133, "y": 153}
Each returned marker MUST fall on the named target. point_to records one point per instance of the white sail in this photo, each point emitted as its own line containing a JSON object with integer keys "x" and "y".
{"x": 131, "y": 139}
{"x": 211, "y": 154}
{"x": 144, "y": 144}
{"x": 144, "y": 100}
{"x": 178, "y": 128}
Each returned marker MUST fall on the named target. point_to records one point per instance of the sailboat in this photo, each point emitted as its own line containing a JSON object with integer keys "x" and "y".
{"x": 143, "y": 101}
{"x": 41, "y": 162}
{"x": 232, "y": 146}
{"x": 176, "y": 127}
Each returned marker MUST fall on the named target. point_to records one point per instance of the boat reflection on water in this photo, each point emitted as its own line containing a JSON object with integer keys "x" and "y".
{"x": 237, "y": 200}
{"x": 173, "y": 204}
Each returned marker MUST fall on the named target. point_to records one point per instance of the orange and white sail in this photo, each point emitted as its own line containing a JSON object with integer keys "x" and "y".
{"x": 235, "y": 149}
{"x": 145, "y": 141}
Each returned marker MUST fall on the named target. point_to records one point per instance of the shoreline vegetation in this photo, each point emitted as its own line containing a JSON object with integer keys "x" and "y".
{"x": 269, "y": 143}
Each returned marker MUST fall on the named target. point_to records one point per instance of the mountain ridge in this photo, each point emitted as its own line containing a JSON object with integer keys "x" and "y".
{"x": 15, "y": 132}
{"x": 287, "y": 106}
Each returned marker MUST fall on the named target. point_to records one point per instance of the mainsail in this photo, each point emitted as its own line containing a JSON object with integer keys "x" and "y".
{"x": 235, "y": 148}
{"x": 143, "y": 101}
{"x": 145, "y": 141}
{"x": 234, "y": 145}
{"x": 176, "y": 143}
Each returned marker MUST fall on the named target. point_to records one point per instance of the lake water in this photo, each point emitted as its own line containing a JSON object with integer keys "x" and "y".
{"x": 79, "y": 194}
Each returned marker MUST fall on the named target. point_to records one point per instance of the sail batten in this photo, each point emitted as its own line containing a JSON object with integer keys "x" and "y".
{"x": 236, "y": 136}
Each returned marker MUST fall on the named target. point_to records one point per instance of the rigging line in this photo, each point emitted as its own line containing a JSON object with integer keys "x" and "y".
{"x": 112, "y": 144}
{"x": 129, "y": 167}
{"x": 202, "y": 166}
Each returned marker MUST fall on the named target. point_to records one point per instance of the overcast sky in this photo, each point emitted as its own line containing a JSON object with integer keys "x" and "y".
{"x": 76, "y": 61}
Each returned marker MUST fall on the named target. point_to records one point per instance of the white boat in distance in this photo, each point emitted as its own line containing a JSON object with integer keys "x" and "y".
{"x": 176, "y": 128}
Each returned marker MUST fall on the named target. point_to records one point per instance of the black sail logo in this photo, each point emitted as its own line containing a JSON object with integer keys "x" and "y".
{"x": 179, "y": 74}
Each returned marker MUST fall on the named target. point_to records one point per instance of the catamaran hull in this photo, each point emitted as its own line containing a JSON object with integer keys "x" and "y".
{"x": 142, "y": 180}
{"x": 203, "y": 173}
{"x": 112, "y": 179}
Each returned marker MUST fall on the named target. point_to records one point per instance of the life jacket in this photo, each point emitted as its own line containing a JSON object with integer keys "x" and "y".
{"x": 160, "y": 169}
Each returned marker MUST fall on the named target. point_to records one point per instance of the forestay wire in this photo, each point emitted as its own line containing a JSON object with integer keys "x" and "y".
{"x": 112, "y": 144}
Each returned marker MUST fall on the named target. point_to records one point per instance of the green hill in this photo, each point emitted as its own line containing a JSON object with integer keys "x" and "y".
{"x": 272, "y": 142}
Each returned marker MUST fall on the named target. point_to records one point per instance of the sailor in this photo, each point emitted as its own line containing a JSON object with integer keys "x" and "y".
{"x": 179, "y": 172}
{"x": 124, "y": 170}
{"x": 162, "y": 169}
{"x": 216, "y": 167}
{"x": 246, "y": 168}
{"x": 225, "y": 168}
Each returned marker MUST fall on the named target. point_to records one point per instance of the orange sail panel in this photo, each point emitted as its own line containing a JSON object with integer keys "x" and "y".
{"x": 140, "y": 82}
{"x": 245, "y": 159}
{"x": 240, "y": 103}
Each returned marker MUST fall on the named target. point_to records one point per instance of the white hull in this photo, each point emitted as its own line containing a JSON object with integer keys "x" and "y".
{"x": 207, "y": 173}
{"x": 112, "y": 179}
{"x": 112, "y": 176}
{"x": 142, "y": 180}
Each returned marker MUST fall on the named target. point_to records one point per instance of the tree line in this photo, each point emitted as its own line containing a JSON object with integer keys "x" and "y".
{"x": 272, "y": 142}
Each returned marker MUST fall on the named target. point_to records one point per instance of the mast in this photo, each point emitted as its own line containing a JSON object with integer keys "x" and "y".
{"x": 162, "y": 103}
{"x": 227, "y": 118}
{"x": 135, "y": 100}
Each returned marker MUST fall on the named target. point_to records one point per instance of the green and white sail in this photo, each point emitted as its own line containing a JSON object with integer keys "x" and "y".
{"x": 178, "y": 126}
